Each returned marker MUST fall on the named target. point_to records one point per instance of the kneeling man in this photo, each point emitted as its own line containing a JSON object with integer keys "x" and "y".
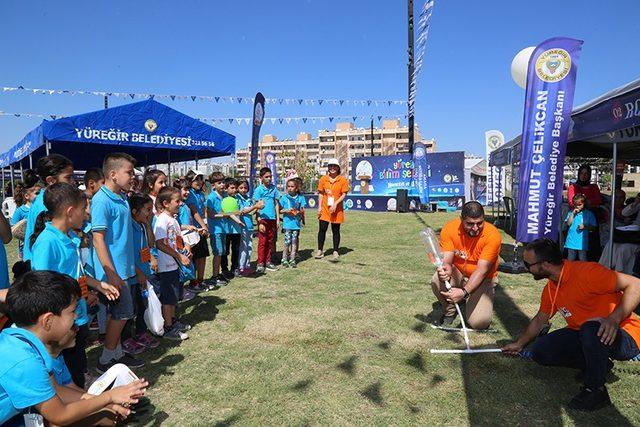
{"x": 470, "y": 263}
{"x": 597, "y": 304}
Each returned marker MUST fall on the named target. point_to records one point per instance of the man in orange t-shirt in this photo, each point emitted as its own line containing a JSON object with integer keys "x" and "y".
{"x": 597, "y": 304}
{"x": 470, "y": 262}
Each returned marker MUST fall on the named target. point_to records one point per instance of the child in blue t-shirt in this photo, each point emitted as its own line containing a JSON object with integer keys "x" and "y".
{"x": 231, "y": 207}
{"x": 141, "y": 213}
{"x": 114, "y": 259}
{"x": 43, "y": 304}
{"x": 268, "y": 220}
{"x": 25, "y": 194}
{"x": 580, "y": 221}
{"x": 247, "y": 206}
{"x": 292, "y": 206}
{"x": 55, "y": 249}
{"x": 218, "y": 224}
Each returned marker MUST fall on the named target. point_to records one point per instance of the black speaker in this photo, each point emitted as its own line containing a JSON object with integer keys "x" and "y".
{"x": 402, "y": 200}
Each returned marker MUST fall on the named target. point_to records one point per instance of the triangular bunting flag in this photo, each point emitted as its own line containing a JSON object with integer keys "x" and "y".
{"x": 288, "y": 119}
{"x": 368, "y": 102}
{"x": 193, "y": 98}
{"x": 239, "y": 100}
{"x": 280, "y": 121}
{"x": 173, "y": 97}
{"x": 304, "y": 120}
{"x": 230, "y": 120}
{"x": 341, "y": 101}
{"x": 132, "y": 95}
{"x": 247, "y": 120}
{"x": 280, "y": 101}
{"x": 379, "y": 118}
{"x": 355, "y": 118}
{"x": 53, "y": 116}
{"x": 273, "y": 121}
{"x": 330, "y": 119}
{"x": 20, "y": 87}
{"x": 320, "y": 101}
{"x": 217, "y": 98}
{"x": 389, "y": 102}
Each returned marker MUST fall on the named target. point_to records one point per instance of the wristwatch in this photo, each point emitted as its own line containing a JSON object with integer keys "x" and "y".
{"x": 466, "y": 294}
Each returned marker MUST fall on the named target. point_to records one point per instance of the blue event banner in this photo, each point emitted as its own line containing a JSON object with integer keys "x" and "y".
{"x": 270, "y": 162}
{"x": 420, "y": 175}
{"x": 551, "y": 80}
{"x": 385, "y": 175}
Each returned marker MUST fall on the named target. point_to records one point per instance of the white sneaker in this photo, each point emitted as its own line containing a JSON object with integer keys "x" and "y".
{"x": 175, "y": 335}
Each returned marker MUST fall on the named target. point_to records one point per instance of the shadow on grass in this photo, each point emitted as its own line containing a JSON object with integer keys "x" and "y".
{"x": 348, "y": 366}
{"x": 374, "y": 393}
{"x": 230, "y": 420}
{"x": 158, "y": 363}
{"x": 416, "y": 361}
{"x": 302, "y": 385}
{"x": 544, "y": 392}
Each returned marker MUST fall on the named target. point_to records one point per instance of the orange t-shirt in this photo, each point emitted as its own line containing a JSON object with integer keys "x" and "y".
{"x": 334, "y": 189}
{"x": 467, "y": 250}
{"x": 587, "y": 290}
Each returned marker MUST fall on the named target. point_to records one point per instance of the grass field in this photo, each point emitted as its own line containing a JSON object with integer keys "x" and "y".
{"x": 348, "y": 344}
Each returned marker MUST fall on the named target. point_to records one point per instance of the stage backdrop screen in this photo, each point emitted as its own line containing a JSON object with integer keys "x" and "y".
{"x": 387, "y": 174}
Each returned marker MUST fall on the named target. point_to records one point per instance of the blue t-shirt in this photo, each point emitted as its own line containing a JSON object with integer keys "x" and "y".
{"x": 579, "y": 239}
{"x": 60, "y": 371}
{"x": 110, "y": 213}
{"x": 36, "y": 207}
{"x": 198, "y": 200}
{"x": 21, "y": 212}
{"x": 141, "y": 241}
{"x": 269, "y": 195}
{"x": 53, "y": 250}
{"x": 24, "y": 372}
{"x": 184, "y": 215}
{"x": 292, "y": 222}
{"x": 243, "y": 203}
{"x": 4, "y": 268}
{"x": 216, "y": 225}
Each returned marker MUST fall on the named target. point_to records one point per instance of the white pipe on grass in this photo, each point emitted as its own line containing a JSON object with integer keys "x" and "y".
{"x": 467, "y": 351}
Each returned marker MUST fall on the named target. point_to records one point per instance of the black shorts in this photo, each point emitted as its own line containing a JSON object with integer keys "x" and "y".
{"x": 200, "y": 250}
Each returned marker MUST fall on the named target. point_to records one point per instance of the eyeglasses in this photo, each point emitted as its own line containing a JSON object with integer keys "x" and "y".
{"x": 528, "y": 266}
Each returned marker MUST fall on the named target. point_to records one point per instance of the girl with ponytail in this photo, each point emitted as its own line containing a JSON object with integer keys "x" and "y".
{"x": 26, "y": 192}
{"x": 50, "y": 169}
{"x": 55, "y": 248}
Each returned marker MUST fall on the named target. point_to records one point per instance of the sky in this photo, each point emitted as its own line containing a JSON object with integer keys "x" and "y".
{"x": 310, "y": 49}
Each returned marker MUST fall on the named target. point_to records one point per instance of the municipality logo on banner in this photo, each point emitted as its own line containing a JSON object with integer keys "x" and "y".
{"x": 270, "y": 161}
{"x": 420, "y": 174}
{"x": 551, "y": 80}
{"x": 494, "y": 139}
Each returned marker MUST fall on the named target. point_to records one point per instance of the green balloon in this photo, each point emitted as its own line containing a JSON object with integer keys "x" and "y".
{"x": 230, "y": 204}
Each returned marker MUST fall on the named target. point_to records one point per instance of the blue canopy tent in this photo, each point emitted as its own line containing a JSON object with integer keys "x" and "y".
{"x": 148, "y": 130}
{"x": 605, "y": 127}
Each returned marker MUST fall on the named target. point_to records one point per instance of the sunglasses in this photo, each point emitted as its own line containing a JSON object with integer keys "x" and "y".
{"x": 528, "y": 266}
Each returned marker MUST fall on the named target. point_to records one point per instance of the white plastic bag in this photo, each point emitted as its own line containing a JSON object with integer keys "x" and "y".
{"x": 153, "y": 314}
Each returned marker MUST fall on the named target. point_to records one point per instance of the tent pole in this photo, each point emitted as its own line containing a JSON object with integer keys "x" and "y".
{"x": 12, "y": 188}
{"x": 46, "y": 147}
{"x": 169, "y": 163}
{"x": 21, "y": 172}
{"x": 30, "y": 161}
{"x": 4, "y": 196}
{"x": 612, "y": 213}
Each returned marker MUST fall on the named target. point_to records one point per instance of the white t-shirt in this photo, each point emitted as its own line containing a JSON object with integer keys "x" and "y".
{"x": 167, "y": 229}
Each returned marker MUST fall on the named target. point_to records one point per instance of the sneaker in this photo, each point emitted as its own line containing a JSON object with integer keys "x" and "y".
{"x": 285, "y": 263}
{"x": 131, "y": 362}
{"x": 260, "y": 269}
{"x": 228, "y": 275}
{"x": 131, "y": 346}
{"x": 335, "y": 257}
{"x": 101, "y": 368}
{"x": 447, "y": 321}
{"x": 293, "y": 264}
{"x": 237, "y": 273}
{"x": 147, "y": 340}
{"x": 93, "y": 326}
{"x": 221, "y": 281}
{"x": 182, "y": 327}
{"x": 319, "y": 254}
{"x": 187, "y": 295}
{"x": 590, "y": 399}
{"x": 210, "y": 284}
{"x": 246, "y": 273}
{"x": 198, "y": 287}
{"x": 175, "y": 335}
{"x": 271, "y": 267}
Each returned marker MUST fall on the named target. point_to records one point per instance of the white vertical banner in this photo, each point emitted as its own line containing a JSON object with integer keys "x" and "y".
{"x": 494, "y": 139}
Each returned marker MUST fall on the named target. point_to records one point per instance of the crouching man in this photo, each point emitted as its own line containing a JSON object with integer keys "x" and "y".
{"x": 597, "y": 304}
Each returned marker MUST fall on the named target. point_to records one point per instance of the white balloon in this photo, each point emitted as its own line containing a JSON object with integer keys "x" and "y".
{"x": 520, "y": 65}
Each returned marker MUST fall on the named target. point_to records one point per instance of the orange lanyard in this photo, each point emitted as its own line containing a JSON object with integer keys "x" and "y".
{"x": 555, "y": 297}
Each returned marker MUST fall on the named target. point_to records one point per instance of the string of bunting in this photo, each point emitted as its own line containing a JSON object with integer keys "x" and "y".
{"x": 207, "y": 98}
{"x": 236, "y": 120}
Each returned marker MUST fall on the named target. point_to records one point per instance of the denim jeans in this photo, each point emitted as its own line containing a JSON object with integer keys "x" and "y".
{"x": 575, "y": 254}
{"x": 583, "y": 350}
{"x": 246, "y": 246}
